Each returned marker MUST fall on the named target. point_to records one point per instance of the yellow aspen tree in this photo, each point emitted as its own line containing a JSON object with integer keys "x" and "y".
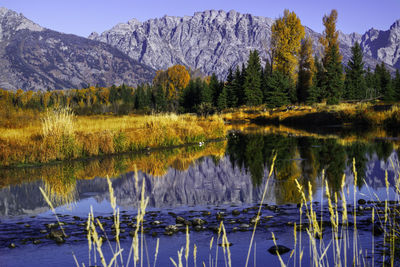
{"x": 178, "y": 78}
{"x": 306, "y": 70}
{"x": 287, "y": 33}
{"x": 332, "y": 60}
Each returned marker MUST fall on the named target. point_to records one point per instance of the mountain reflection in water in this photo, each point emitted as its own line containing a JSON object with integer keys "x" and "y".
{"x": 219, "y": 173}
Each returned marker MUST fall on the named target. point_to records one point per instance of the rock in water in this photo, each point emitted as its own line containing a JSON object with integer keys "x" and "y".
{"x": 274, "y": 250}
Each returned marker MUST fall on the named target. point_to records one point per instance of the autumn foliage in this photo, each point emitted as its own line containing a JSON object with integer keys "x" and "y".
{"x": 287, "y": 33}
{"x": 173, "y": 80}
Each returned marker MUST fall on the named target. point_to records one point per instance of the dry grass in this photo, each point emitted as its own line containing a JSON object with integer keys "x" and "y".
{"x": 59, "y": 135}
{"x": 345, "y": 113}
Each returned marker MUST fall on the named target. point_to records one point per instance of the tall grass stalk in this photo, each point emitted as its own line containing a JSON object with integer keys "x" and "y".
{"x": 259, "y": 208}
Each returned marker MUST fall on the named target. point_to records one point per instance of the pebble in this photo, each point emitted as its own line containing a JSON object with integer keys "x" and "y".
{"x": 179, "y": 219}
{"x": 362, "y": 201}
{"x": 235, "y": 212}
{"x": 225, "y": 244}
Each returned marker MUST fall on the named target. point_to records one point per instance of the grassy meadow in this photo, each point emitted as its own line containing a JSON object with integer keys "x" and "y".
{"x": 39, "y": 137}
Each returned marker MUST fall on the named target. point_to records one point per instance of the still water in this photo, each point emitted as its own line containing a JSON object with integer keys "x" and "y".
{"x": 224, "y": 179}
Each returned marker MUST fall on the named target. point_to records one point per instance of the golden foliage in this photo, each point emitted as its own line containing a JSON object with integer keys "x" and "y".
{"x": 287, "y": 33}
{"x": 329, "y": 39}
{"x": 306, "y": 63}
{"x": 173, "y": 80}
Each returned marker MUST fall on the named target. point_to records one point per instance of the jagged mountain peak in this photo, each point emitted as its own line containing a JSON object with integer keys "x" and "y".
{"x": 395, "y": 25}
{"x": 210, "y": 41}
{"x": 36, "y": 58}
{"x": 11, "y": 21}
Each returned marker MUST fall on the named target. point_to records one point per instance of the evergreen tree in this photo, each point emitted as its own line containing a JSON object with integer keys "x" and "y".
{"x": 222, "y": 99}
{"x": 370, "y": 84}
{"x": 354, "y": 82}
{"x": 252, "y": 85}
{"x": 306, "y": 71}
{"x": 278, "y": 85}
{"x": 230, "y": 90}
{"x": 206, "y": 93}
{"x": 265, "y": 73}
{"x": 160, "y": 100}
{"x": 317, "y": 91}
{"x": 396, "y": 85}
{"x": 191, "y": 97}
{"x": 215, "y": 88}
{"x": 332, "y": 59}
{"x": 384, "y": 82}
{"x": 239, "y": 86}
{"x": 141, "y": 99}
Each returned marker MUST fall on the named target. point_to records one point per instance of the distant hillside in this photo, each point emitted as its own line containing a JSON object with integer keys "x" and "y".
{"x": 35, "y": 58}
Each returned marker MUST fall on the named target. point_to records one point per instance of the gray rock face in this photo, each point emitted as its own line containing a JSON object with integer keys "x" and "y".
{"x": 383, "y": 45}
{"x": 213, "y": 41}
{"x": 35, "y": 58}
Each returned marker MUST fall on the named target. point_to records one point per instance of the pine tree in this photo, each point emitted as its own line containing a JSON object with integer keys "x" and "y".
{"x": 141, "y": 98}
{"x": 252, "y": 84}
{"x": 237, "y": 87}
{"x": 370, "y": 84}
{"x": 317, "y": 90}
{"x": 222, "y": 99}
{"x": 230, "y": 90}
{"x": 191, "y": 97}
{"x": 354, "y": 82}
{"x": 396, "y": 84}
{"x": 306, "y": 71}
{"x": 332, "y": 60}
{"x": 207, "y": 94}
{"x": 240, "y": 77}
{"x": 277, "y": 86}
{"x": 384, "y": 82}
{"x": 160, "y": 101}
{"x": 215, "y": 88}
{"x": 287, "y": 33}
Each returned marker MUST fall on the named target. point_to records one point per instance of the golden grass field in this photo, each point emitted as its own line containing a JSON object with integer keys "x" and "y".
{"x": 30, "y": 137}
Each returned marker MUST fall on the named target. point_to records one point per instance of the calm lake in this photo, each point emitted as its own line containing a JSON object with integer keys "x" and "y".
{"x": 216, "y": 181}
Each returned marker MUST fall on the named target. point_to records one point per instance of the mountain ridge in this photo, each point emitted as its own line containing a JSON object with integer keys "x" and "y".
{"x": 219, "y": 36}
{"x": 36, "y": 58}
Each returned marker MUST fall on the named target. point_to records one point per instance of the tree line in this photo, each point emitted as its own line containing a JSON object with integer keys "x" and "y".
{"x": 291, "y": 75}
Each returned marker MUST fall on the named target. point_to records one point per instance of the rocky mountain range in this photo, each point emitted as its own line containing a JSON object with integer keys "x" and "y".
{"x": 213, "y": 41}
{"x": 36, "y": 58}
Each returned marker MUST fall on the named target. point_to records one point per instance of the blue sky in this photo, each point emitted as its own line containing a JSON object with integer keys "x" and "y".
{"x": 81, "y": 17}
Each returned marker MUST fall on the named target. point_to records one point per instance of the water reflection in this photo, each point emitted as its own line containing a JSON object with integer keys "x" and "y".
{"x": 229, "y": 172}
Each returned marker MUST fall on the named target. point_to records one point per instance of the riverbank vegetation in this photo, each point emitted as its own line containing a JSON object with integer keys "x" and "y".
{"x": 59, "y": 135}
{"x": 293, "y": 88}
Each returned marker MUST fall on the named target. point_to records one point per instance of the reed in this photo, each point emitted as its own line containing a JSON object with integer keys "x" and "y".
{"x": 338, "y": 246}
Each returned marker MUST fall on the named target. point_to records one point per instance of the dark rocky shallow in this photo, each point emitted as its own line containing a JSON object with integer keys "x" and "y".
{"x": 42, "y": 231}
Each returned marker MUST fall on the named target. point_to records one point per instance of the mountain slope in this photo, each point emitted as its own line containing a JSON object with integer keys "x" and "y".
{"x": 211, "y": 41}
{"x": 35, "y": 58}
